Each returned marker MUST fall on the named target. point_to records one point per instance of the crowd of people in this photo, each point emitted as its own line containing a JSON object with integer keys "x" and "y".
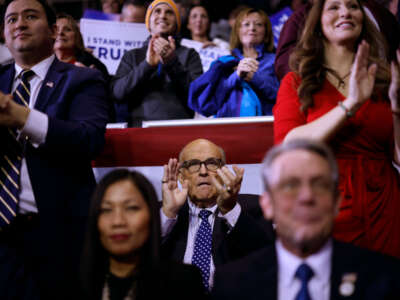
{"x": 326, "y": 226}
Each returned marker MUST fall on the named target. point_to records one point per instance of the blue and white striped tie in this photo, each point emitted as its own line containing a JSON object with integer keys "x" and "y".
{"x": 11, "y": 158}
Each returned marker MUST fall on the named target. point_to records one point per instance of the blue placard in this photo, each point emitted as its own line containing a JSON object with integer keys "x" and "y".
{"x": 277, "y": 21}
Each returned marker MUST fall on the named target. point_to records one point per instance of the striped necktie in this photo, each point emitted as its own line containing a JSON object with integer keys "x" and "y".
{"x": 202, "y": 247}
{"x": 11, "y": 158}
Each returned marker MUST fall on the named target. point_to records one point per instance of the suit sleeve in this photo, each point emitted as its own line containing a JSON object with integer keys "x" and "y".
{"x": 77, "y": 123}
{"x": 287, "y": 113}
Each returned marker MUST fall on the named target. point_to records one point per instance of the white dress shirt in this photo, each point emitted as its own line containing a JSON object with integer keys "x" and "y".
{"x": 320, "y": 263}
{"x": 194, "y": 223}
{"x": 35, "y": 129}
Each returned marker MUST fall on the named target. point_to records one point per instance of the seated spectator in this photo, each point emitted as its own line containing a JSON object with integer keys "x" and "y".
{"x": 153, "y": 81}
{"x": 354, "y": 106}
{"x": 302, "y": 198}
{"x": 205, "y": 211}
{"x": 199, "y": 28}
{"x": 244, "y": 83}
{"x": 121, "y": 258}
{"x": 69, "y": 46}
{"x": 133, "y": 11}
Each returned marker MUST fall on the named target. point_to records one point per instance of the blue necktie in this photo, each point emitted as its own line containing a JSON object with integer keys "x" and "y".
{"x": 304, "y": 273}
{"x": 11, "y": 158}
{"x": 202, "y": 247}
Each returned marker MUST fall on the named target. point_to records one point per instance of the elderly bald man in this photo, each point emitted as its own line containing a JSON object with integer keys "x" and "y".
{"x": 202, "y": 222}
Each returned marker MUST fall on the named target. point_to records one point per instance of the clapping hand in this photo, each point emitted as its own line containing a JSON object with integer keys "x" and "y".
{"x": 394, "y": 88}
{"x": 165, "y": 49}
{"x": 228, "y": 185}
{"x": 246, "y": 68}
{"x": 172, "y": 197}
{"x": 362, "y": 77}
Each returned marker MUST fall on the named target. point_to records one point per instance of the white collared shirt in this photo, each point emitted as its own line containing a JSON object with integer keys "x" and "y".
{"x": 194, "y": 223}
{"x": 320, "y": 263}
{"x": 35, "y": 129}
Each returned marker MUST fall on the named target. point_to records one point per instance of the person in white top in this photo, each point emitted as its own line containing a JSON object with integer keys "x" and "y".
{"x": 302, "y": 198}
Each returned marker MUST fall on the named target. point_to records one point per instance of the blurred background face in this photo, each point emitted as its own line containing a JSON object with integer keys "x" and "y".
{"x": 201, "y": 189}
{"x": 65, "y": 38}
{"x": 124, "y": 219}
{"x": 303, "y": 205}
{"x": 133, "y": 13}
{"x": 198, "y": 22}
{"x": 252, "y": 30}
{"x": 110, "y": 6}
{"x": 162, "y": 20}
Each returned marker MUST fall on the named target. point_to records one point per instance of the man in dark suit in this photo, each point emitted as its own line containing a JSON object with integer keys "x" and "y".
{"x": 302, "y": 198}
{"x": 57, "y": 128}
{"x": 211, "y": 188}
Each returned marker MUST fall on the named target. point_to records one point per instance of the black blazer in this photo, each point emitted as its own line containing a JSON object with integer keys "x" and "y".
{"x": 255, "y": 276}
{"x": 250, "y": 233}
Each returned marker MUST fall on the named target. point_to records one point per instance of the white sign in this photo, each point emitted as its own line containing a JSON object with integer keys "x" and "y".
{"x": 110, "y": 40}
{"x": 207, "y": 55}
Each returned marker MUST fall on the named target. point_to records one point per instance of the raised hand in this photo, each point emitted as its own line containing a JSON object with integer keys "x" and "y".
{"x": 246, "y": 68}
{"x": 172, "y": 197}
{"x": 362, "y": 77}
{"x": 165, "y": 48}
{"x": 12, "y": 114}
{"x": 228, "y": 185}
{"x": 152, "y": 57}
{"x": 394, "y": 88}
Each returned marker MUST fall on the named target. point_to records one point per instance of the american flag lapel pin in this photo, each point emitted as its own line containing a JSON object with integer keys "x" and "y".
{"x": 50, "y": 84}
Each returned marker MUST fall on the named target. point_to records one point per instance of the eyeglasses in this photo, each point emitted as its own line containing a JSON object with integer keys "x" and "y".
{"x": 319, "y": 187}
{"x": 194, "y": 165}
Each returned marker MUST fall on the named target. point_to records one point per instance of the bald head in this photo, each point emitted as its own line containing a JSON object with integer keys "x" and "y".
{"x": 201, "y": 145}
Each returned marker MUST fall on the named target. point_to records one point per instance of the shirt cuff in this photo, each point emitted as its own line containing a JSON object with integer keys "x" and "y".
{"x": 36, "y": 127}
{"x": 166, "y": 223}
{"x": 232, "y": 216}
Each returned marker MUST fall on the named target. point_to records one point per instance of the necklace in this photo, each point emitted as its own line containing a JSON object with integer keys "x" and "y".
{"x": 341, "y": 82}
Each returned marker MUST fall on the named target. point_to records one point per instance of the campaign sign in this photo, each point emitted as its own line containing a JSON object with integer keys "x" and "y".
{"x": 207, "y": 55}
{"x": 110, "y": 40}
{"x": 277, "y": 22}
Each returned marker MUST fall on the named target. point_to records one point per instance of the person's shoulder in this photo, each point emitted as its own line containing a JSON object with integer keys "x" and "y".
{"x": 76, "y": 73}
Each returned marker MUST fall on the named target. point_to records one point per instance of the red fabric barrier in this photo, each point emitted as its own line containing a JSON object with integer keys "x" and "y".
{"x": 243, "y": 143}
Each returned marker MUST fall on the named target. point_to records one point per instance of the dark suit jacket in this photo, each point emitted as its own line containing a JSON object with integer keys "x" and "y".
{"x": 60, "y": 169}
{"x": 250, "y": 233}
{"x": 255, "y": 276}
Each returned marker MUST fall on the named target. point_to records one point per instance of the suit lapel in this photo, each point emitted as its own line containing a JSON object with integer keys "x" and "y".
{"x": 345, "y": 281}
{"x": 50, "y": 84}
{"x": 180, "y": 233}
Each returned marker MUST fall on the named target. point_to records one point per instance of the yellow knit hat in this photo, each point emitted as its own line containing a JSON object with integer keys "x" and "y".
{"x": 168, "y": 2}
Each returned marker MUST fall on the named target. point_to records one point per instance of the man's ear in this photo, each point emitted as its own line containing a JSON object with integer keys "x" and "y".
{"x": 53, "y": 30}
{"x": 337, "y": 200}
{"x": 180, "y": 177}
{"x": 267, "y": 206}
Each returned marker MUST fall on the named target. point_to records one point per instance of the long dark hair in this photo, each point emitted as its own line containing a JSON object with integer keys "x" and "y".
{"x": 308, "y": 55}
{"x": 95, "y": 259}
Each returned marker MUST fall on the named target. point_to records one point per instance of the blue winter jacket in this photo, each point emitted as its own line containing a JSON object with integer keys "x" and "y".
{"x": 222, "y": 93}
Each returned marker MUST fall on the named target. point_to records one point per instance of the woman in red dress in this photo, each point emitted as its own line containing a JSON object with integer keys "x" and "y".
{"x": 343, "y": 92}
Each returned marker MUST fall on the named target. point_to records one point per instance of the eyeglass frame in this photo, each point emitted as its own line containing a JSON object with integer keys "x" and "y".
{"x": 184, "y": 165}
